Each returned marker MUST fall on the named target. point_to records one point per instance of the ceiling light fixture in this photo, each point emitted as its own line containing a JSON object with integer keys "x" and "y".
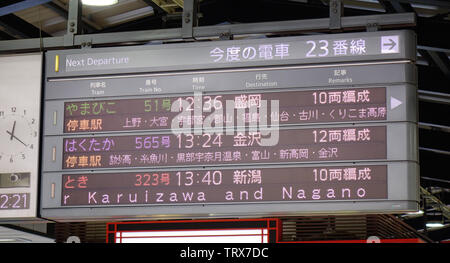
{"x": 420, "y": 212}
{"x": 7, "y": 240}
{"x": 434, "y": 225}
{"x": 99, "y": 2}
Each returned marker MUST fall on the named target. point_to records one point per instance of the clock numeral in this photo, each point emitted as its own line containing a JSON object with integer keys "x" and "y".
{"x": 23, "y": 156}
{"x": 11, "y": 160}
{"x": 2, "y": 113}
{"x": 13, "y": 109}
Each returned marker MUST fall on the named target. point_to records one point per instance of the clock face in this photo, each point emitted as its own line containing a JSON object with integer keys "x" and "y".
{"x": 18, "y": 133}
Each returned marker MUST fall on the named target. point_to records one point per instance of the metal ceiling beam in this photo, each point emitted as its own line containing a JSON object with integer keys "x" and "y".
{"x": 22, "y": 5}
{"x": 322, "y": 24}
{"x": 434, "y": 97}
{"x": 387, "y": 6}
{"x": 16, "y": 27}
{"x": 20, "y": 28}
{"x": 11, "y": 31}
{"x": 157, "y": 9}
{"x": 73, "y": 22}
{"x": 441, "y": 61}
{"x": 434, "y": 127}
{"x": 166, "y": 5}
{"x": 436, "y": 202}
{"x": 147, "y": 23}
{"x": 4, "y": 36}
{"x": 189, "y": 19}
{"x": 438, "y": 49}
{"x": 31, "y": 44}
{"x": 435, "y": 57}
{"x": 438, "y": 3}
{"x": 87, "y": 24}
{"x": 395, "y": 6}
{"x": 432, "y": 32}
{"x": 336, "y": 13}
{"x": 307, "y": 25}
{"x": 434, "y": 150}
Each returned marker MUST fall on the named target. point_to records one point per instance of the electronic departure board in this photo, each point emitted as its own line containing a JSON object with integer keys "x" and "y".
{"x": 279, "y": 126}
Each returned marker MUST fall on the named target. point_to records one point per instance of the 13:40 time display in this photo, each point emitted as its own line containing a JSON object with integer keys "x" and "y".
{"x": 188, "y": 178}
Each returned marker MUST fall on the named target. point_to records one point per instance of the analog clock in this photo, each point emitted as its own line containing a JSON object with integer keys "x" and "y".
{"x": 20, "y": 107}
{"x": 18, "y": 133}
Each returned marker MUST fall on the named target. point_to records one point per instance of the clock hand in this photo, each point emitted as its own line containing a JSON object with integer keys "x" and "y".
{"x": 12, "y": 131}
{"x": 13, "y": 136}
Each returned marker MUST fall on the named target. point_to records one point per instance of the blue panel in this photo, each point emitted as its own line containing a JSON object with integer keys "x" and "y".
{"x": 21, "y": 6}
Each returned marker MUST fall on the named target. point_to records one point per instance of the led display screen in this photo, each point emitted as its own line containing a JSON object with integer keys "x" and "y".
{"x": 295, "y": 107}
{"x": 185, "y": 149}
{"x": 226, "y": 185}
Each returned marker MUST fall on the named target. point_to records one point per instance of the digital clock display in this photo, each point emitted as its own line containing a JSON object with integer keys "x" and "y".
{"x": 14, "y": 201}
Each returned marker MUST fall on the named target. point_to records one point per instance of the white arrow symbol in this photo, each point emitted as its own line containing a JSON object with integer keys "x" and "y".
{"x": 395, "y": 103}
{"x": 391, "y": 44}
